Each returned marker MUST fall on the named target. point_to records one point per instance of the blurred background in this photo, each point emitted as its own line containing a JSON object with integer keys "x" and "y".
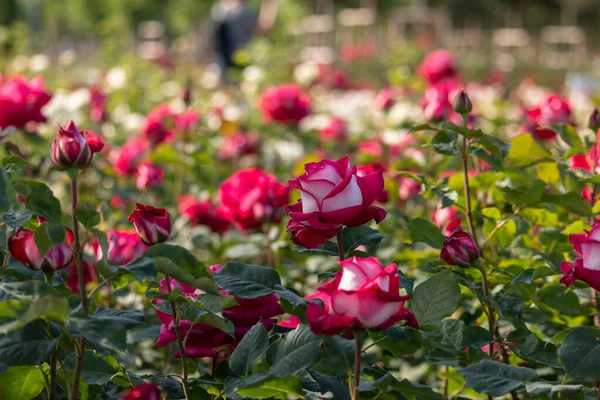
{"x": 514, "y": 37}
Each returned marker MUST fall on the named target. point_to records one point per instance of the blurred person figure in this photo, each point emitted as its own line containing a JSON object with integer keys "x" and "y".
{"x": 234, "y": 25}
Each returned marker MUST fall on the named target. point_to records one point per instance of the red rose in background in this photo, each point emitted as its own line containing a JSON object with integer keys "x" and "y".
{"x": 334, "y": 131}
{"x": 552, "y": 110}
{"x": 21, "y": 102}
{"x": 145, "y": 391}
{"x": 126, "y": 159}
{"x": 384, "y": 99}
{"x": 74, "y": 148}
{"x": 284, "y": 103}
{"x": 585, "y": 268}
{"x": 437, "y": 66}
{"x": 124, "y": 246}
{"x": 239, "y": 144}
{"x": 22, "y": 247}
{"x": 153, "y": 225}
{"x": 250, "y": 197}
{"x": 364, "y": 294}
{"x": 160, "y": 124}
{"x": 204, "y": 213}
{"x": 89, "y": 275}
{"x": 585, "y": 162}
{"x": 148, "y": 175}
{"x": 332, "y": 195}
{"x": 98, "y": 111}
{"x": 204, "y": 340}
{"x": 446, "y": 219}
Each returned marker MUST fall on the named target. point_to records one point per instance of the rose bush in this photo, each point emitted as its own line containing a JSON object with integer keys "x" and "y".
{"x": 430, "y": 241}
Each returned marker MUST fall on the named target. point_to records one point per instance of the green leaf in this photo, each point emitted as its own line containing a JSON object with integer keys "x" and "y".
{"x": 444, "y": 142}
{"x": 250, "y": 350}
{"x": 571, "y": 201}
{"x": 580, "y": 354}
{"x": 552, "y": 388}
{"x": 87, "y": 215}
{"x": 263, "y": 386}
{"x": 28, "y": 346}
{"x": 525, "y": 194}
{"x": 496, "y": 379}
{"x": 421, "y": 230}
{"x": 182, "y": 266}
{"x": 247, "y": 281}
{"x": 570, "y": 136}
{"x": 329, "y": 248}
{"x": 14, "y": 162}
{"x": 360, "y": 236}
{"x": 416, "y": 391}
{"x": 106, "y": 333}
{"x": 525, "y": 152}
{"x": 435, "y": 299}
{"x": 27, "y": 290}
{"x": 48, "y": 235}
{"x": 337, "y": 356}
{"x": 528, "y": 346}
{"x": 294, "y": 352}
{"x": 142, "y": 269}
{"x": 7, "y": 192}
{"x": 560, "y": 298}
{"x": 39, "y": 198}
{"x": 48, "y": 308}
{"x": 422, "y": 127}
{"x": 476, "y": 337}
{"x": 452, "y": 333}
{"x": 127, "y": 318}
{"x": 21, "y": 383}
{"x": 337, "y": 388}
{"x": 96, "y": 369}
{"x": 15, "y": 219}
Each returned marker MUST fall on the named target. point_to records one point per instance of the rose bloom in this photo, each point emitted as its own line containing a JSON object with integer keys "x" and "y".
{"x": 284, "y": 103}
{"x": 585, "y": 162}
{"x": 408, "y": 188}
{"x": 552, "y": 110}
{"x": 367, "y": 169}
{"x": 239, "y": 144}
{"x": 334, "y": 131}
{"x": 126, "y": 159}
{"x": 250, "y": 197}
{"x": 145, "y": 391}
{"x": 446, "y": 219}
{"x": 72, "y": 277}
{"x": 204, "y": 340}
{"x": 332, "y": 195}
{"x": 21, "y": 102}
{"x": 204, "y": 213}
{"x": 153, "y": 225}
{"x": 22, "y": 247}
{"x": 364, "y": 294}
{"x": 436, "y": 102}
{"x": 437, "y": 66}
{"x": 586, "y": 267}
{"x": 124, "y": 246}
{"x": 98, "y": 111}
{"x": 159, "y": 125}
{"x": 148, "y": 175}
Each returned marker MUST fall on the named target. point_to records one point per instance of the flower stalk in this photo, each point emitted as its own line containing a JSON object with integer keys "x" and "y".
{"x": 340, "y": 243}
{"x": 358, "y": 341}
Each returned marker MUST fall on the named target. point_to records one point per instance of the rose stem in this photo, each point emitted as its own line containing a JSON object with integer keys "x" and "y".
{"x": 340, "y": 243}
{"x": 595, "y": 303}
{"x": 358, "y": 336}
{"x": 268, "y": 247}
{"x": 184, "y": 378}
{"x": 80, "y": 350}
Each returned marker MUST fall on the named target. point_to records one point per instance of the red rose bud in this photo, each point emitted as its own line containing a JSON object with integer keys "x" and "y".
{"x": 459, "y": 249}
{"x": 153, "y": 225}
{"x": 462, "y": 103}
{"x": 594, "y": 120}
{"x": 23, "y": 248}
{"x": 145, "y": 391}
{"x": 74, "y": 148}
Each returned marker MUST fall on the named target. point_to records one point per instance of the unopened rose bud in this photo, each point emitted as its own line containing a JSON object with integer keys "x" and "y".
{"x": 74, "y": 148}
{"x": 23, "y": 248}
{"x": 153, "y": 225}
{"x": 594, "y": 120}
{"x": 145, "y": 391}
{"x": 459, "y": 249}
{"x": 462, "y": 103}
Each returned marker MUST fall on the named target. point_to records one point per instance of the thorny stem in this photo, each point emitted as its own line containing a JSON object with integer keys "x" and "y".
{"x": 465, "y": 165}
{"x": 358, "y": 340}
{"x": 184, "y": 378}
{"x": 340, "y": 243}
{"x": 80, "y": 350}
{"x": 498, "y": 226}
{"x": 52, "y": 375}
